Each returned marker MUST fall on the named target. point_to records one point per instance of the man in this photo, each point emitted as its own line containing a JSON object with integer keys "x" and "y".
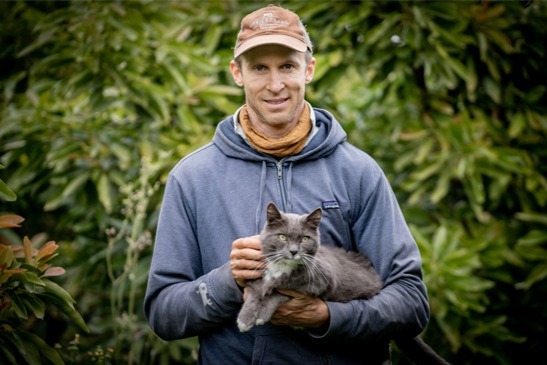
{"x": 277, "y": 148}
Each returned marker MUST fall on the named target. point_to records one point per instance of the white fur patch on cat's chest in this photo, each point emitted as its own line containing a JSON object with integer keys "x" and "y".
{"x": 281, "y": 267}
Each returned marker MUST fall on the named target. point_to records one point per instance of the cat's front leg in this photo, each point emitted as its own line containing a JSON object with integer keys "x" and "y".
{"x": 248, "y": 314}
{"x": 269, "y": 306}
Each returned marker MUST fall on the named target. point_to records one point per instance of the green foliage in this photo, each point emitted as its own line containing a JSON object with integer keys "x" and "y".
{"x": 25, "y": 293}
{"x": 114, "y": 93}
{"x": 101, "y": 99}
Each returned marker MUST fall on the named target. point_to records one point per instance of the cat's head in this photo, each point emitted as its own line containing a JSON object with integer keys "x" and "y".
{"x": 290, "y": 236}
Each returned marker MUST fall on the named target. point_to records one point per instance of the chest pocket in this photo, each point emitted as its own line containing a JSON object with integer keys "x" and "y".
{"x": 335, "y": 229}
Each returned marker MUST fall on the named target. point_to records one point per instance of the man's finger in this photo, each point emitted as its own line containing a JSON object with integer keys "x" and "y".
{"x": 244, "y": 264}
{"x": 247, "y": 242}
{"x": 290, "y": 293}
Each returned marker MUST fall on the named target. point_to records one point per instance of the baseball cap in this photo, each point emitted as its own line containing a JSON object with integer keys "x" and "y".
{"x": 272, "y": 25}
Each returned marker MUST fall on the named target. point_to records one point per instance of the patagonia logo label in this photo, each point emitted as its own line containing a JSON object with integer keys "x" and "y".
{"x": 333, "y": 204}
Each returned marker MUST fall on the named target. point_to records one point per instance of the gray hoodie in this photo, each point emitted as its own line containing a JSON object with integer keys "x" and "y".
{"x": 220, "y": 193}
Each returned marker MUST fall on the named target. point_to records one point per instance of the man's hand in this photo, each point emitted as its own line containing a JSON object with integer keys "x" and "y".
{"x": 246, "y": 259}
{"x": 301, "y": 311}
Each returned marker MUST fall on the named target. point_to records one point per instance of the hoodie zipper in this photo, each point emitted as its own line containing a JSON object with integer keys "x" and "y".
{"x": 281, "y": 185}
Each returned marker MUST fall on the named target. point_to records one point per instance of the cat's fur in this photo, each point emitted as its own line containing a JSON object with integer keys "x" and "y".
{"x": 296, "y": 260}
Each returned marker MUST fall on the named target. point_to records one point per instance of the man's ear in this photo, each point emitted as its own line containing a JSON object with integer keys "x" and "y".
{"x": 310, "y": 69}
{"x": 236, "y": 73}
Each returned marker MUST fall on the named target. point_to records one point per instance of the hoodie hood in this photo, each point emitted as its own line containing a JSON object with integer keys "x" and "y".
{"x": 329, "y": 136}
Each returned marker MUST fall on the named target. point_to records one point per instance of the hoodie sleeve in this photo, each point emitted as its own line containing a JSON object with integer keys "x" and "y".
{"x": 401, "y": 307}
{"x": 181, "y": 301}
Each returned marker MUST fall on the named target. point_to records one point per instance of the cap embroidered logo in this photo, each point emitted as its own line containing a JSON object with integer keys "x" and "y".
{"x": 267, "y": 22}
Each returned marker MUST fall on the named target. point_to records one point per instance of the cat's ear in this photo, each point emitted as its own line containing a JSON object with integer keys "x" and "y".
{"x": 314, "y": 218}
{"x": 273, "y": 215}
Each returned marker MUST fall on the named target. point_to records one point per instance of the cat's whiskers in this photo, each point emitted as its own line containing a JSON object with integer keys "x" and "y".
{"x": 279, "y": 264}
{"x": 275, "y": 257}
{"x": 256, "y": 266}
{"x": 314, "y": 269}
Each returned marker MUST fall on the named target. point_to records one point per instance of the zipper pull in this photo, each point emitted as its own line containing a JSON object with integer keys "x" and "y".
{"x": 280, "y": 170}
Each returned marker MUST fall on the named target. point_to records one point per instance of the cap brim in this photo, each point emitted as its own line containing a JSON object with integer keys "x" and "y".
{"x": 282, "y": 40}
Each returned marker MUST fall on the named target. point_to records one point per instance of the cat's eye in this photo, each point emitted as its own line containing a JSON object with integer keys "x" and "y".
{"x": 305, "y": 239}
{"x": 282, "y": 237}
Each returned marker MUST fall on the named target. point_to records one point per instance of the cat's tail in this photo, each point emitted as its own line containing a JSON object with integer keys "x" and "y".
{"x": 419, "y": 352}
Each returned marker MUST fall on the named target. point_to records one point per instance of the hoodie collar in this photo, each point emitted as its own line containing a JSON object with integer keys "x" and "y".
{"x": 239, "y": 130}
{"x": 324, "y": 138}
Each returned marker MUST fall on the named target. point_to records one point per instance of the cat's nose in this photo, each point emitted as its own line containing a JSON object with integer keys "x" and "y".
{"x": 293, "y": 252}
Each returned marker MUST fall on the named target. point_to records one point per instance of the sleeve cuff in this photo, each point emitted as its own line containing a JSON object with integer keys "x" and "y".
{"x": 340, "y": 322}
{"x": 225, "y": 290}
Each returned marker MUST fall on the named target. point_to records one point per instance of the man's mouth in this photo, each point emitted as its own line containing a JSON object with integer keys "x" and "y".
{"x": 276, "y": 101}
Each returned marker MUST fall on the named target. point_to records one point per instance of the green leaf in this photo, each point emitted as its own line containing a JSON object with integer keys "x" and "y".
{"x": 212, "y": 38}
{"x": 57, "y": 291}
{"x": 424, "y": 151}
{"x": 35, "y": 305}
{"x": 106, "y": 192}
{"x": 64, "y": 302}
{"x": 474, "y": 188}
{"x": 472, "y": 78}
{"x": 29, "y": 279}
{"x": 499, "y": 38}
{"x": 55, "y": 201}
{"x": 6, "y": 193}
{"x": 18, "y": 306}
{"x": 75, "y": 184}
{"x": 532, "y": 238}
{"x": 442, "y": 188}
{"x": 532, "y": 217}
{"x": 40, "y": 41}
{"x": 493, "y": 90}
{"x": 26, "y": 349}
{"x": 483, "y": 45}
{"x": 179, "y": 79}
{"x": 450, "y": 333}
{"x": 458, "y": 67}
{"x": 43, "y": 348}
{"x": 428, "y": 171}
{"x": 439, "y": 243}
{"x": 6, "y": 350}
{"x": 539, "y": 273}
{"x": 383, "y": 30}
{"x": 517, "y": 126}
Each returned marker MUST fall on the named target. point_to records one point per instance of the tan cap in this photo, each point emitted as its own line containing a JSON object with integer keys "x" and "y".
{"x": 272, "y": 25}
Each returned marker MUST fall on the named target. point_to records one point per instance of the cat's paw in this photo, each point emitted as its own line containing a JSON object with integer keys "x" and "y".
{"x": 260, "y": 322}
{"x": 246, "y": 319}
{"x": 243, "y": 327}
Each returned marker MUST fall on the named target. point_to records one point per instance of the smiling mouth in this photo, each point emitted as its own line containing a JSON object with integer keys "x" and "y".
{"x": 276, "y": 101}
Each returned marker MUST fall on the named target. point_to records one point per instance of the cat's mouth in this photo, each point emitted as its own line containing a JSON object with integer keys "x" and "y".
{"x": 292, "y": 260}
{"x": 283, "y": 266}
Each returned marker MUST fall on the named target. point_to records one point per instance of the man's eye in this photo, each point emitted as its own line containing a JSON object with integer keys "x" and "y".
{"x": 259, "y": 68}
{"x": 288, "y": 66}
{"x": 282, "y": 237}
{"x": 305, "y": 239}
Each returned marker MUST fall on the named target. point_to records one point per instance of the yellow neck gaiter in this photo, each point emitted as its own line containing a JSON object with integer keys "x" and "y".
{"x": 290, "y": 144}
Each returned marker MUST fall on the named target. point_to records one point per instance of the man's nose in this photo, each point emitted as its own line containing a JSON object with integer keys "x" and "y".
{"x": 275, "y": 83}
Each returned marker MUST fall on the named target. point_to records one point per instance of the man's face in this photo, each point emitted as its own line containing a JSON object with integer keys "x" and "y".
{"x": 274, "y": 78}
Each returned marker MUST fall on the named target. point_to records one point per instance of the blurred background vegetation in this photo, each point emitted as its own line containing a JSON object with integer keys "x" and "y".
{"x": 101, "y": 99}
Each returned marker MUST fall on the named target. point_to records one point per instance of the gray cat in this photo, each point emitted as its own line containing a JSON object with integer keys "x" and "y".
{"x": 296, "y": 260}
